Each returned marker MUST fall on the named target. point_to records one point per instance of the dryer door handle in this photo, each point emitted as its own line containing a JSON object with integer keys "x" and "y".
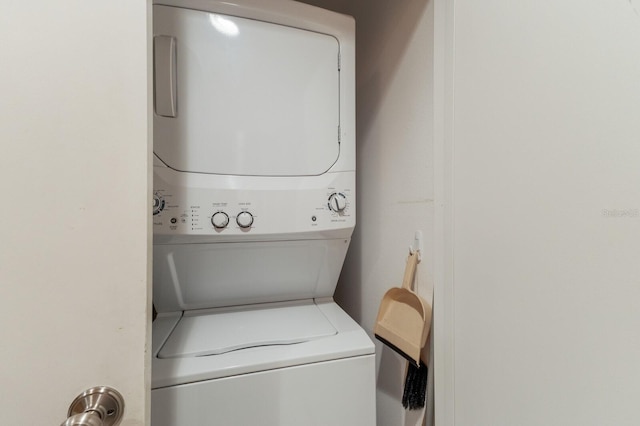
{"x": 99, "y": 406}
{"x": 164, "y": 73}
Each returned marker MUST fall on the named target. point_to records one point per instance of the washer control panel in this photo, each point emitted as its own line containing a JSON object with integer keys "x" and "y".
{"x": 292, "y": 207}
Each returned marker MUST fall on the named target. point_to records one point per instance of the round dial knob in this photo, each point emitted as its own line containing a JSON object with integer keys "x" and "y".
{"x": 157, "y": 203}
{"x": 220, "y": 220}
{"x": 337, "y": 202}
{"x": 244, "y": 219}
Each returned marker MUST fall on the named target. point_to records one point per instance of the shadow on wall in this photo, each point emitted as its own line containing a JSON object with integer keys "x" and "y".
{"x": 390, "y": 123}
{"x": 383, "y": 31}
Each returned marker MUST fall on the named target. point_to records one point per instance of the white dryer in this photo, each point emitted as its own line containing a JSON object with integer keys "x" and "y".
{"x": 254, "y": 207}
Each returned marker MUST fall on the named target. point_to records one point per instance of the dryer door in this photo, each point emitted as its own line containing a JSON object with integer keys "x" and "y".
{"x": 238, "y": 96}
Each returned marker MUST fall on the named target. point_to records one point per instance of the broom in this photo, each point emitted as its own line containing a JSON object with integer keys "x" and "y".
{"x": 415, "y": 386}
{"x": 416, "y": 381}
{"x": 403, "y": 324}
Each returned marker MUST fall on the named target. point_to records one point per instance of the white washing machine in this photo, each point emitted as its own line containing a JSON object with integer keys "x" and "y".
{"x": 254, "y": 207}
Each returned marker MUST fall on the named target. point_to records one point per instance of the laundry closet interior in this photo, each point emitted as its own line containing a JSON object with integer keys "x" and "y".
{"x": 270, "y": 329}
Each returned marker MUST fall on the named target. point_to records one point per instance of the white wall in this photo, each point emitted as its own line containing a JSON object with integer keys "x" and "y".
{"x": 542, "y": 146}
{"x": 394, "y": 42}
{"x": 74, "y": 234}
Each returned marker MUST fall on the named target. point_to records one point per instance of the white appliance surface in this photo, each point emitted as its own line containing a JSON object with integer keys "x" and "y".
{"x": 340, "y": 392}
{"x": 254, "y": 207}
{"x": 219, "y": 331}
{"x": 280, "y": 207}
{"x": 199, "y": 276}
{"x": 347, "y": 341}
{"x": 251, "y": 97}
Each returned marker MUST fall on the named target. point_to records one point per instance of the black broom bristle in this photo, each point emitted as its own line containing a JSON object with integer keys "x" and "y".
{"x": 415, "y": 387}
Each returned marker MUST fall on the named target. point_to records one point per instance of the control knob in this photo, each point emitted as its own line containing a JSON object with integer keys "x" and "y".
{"x": 220, "y": 220}
{"x": 244, "y": 219}
{"x": 157, "y": 204}
{"x": 337, "y": 202}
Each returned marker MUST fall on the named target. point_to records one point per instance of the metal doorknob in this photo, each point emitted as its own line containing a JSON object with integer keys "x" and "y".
{"x": 90, "y": 418}
{"x": 99, "y": 406}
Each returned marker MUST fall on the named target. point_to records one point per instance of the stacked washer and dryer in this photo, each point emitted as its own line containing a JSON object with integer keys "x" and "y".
{"x": 254, "y": 207}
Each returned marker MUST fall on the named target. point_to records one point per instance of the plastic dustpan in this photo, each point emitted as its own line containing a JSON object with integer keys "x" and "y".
{"x": 404, "y": 318}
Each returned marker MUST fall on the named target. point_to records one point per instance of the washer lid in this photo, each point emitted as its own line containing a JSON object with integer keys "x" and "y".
{"x": 218, "y": 331}
{"x": 238, "y": 96}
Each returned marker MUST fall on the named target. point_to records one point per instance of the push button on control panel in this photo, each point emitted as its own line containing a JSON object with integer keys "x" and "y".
{"x": 244, "y": 219}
